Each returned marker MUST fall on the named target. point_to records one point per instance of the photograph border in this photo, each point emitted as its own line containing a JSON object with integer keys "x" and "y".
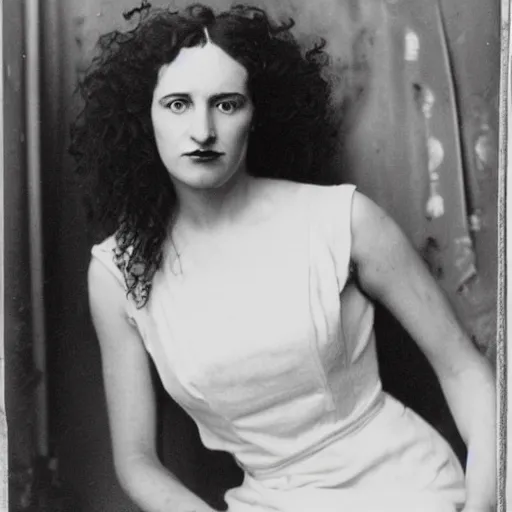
{"x": 4, "y": 468}
{"x": 503, "y": 309}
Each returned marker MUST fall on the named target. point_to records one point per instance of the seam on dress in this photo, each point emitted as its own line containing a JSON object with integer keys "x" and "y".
{"x": 371, "y": 412}
{"x": 313, "y": 344}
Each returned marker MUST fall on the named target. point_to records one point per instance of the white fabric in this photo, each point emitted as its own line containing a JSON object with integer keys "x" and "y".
{"x": 272, "y": 352}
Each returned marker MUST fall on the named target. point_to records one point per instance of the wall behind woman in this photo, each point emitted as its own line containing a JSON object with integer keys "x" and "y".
{"x": 79, "y": 434}
{"x": 415, "y": 106}
{"x": 20, "y": 376}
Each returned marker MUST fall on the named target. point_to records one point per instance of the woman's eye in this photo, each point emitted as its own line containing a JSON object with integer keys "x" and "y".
{"x": 228, "y": 107}
{"x": 177, "y": 106}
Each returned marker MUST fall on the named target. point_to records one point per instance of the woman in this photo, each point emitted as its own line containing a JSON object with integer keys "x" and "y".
{"x": 252, "y": 290}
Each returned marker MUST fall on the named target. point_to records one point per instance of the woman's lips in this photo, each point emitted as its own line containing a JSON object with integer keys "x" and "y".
{"x": 203, "y": 156}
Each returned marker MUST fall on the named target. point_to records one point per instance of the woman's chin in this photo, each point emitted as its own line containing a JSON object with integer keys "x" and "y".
{"x": 207, "y": 179}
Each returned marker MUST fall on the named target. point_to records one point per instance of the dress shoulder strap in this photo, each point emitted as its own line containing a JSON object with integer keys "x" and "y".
{"x": 331, "y": 209}
{"x": 116, "y": 262}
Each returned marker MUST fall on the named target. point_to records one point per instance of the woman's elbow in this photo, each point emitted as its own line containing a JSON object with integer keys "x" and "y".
{"x": 130, "y": 467}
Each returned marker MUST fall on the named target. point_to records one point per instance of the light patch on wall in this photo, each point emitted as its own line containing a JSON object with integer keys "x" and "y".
{"x": 484, "y": 151}
{"x": 412, "y": 46}
{"x": 435, "y": 152}
{"x": 435, "y": 203}
{"x": 428, "y": 102}
{"x": 464, "y": 260}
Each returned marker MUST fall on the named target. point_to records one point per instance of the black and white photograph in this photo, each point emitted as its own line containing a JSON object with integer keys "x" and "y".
{"x": 254, "y": 256}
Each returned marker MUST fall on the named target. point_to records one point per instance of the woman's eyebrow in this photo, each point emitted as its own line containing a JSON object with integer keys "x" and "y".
{"x": 214, "y": 97}
{"x": 225, "y": 95}
{"x": 174, "y": 94}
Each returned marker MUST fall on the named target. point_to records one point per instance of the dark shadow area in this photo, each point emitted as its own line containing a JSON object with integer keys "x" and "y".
{"x": 407, "y": 375}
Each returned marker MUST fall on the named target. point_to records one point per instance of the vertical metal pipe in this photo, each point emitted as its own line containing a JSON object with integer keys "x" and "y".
{"x": 4, "y": 471}
{"x": 33, "y": 105}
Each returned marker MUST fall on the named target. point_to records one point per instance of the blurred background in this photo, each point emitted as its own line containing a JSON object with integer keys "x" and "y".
{"x": 417, "y": 83}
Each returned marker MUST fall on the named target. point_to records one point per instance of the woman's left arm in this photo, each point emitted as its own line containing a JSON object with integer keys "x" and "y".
{"x": 390, "y": 270}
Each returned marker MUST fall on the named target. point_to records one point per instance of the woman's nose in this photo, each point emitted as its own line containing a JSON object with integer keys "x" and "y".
{"x": 203, "y": 129}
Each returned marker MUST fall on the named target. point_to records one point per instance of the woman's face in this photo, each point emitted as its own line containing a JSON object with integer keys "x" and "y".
{"x": 201, "y": 114}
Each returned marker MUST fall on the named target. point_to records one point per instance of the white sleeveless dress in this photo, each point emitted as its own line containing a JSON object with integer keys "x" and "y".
{"x": 270, "y": 348}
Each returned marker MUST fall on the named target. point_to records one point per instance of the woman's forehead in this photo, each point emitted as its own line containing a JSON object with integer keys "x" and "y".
{"x": 202, "y": 69}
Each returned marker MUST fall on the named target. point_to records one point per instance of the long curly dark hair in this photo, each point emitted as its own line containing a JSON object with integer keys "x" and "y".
{"x": 112, "y": 140}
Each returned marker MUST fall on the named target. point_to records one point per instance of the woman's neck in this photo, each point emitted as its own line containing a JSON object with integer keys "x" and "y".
{"x": 212, "y": 208}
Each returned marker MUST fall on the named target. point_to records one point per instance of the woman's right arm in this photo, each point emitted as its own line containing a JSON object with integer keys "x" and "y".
{"x": 131, "y": 402}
